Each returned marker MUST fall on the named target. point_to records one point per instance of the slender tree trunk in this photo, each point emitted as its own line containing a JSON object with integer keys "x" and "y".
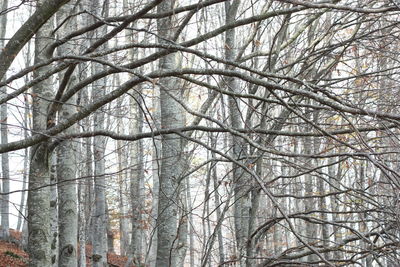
{"x": 89, "y": 182}
{"x": 54, "y": 210}
{"x": 4, "y": 209}
{"x": 156, "y": 154}
{"x": 85, "y": 184}
{"x": 100, "y": 213}
{"x": 217, "y": 201}
{"x": 100, "y": 216}
{"x": 171, "y": 162}
{"x": 5, "y": 199}
{"x": 309, "y": 184}
{"x": 136, "y": 160}
{"x": 122, "y": 164}
{"x": 66, "y": 165}
{"x": 137, "y": 177}
{"x": 39, "y": 178}
{"x": 82, "y": 221}
{"x": 240, "y": 178}
{"x": 67, "y": 198}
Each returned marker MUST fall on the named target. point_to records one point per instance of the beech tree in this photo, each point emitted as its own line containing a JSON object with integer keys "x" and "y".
{"x": 202, "y": 133}
{"x": 4, "y": 233}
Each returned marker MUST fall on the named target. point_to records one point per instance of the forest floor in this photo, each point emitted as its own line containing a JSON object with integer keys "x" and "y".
{"x": 12, "y": 255}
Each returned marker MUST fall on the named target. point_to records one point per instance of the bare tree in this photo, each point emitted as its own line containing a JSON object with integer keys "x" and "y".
{"x": 39, "y": 176}
{"x": 273, "y": 140}
{"x": 4, "y": 232}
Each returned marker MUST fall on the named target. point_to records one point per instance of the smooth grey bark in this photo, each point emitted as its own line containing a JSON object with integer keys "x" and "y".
{"x": 89, "y": 174}
{"x": 66, "y": 162}
{"x": 99, "y": 216}
{"x": 39, "y": 178}
{"x": 309, "y": 185}
{"x": 85, "y": 189}
{"x": 137, "y": 178}
{"x": 136, "y": 254}
{"x": 123, "y": 223}
{"x": 54, "y": 209}
{"x": 89, "y": 192}
{"x": 5, "y": 168}
{"x": 122, "y": 158}
{"x": 82, "y": 221}
{"x": 171, "y": 161}
{"x": 156, "y": 154}
{"x": 239, "y": 177}
{"x": 84, "y": 185}
{"x": 99, "y": 223}
{"x": 322, "y": 188}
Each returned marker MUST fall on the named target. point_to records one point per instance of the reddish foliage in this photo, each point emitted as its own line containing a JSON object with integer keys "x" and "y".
{"x": 11, "y": 255}
{"x": 113, "y": 259}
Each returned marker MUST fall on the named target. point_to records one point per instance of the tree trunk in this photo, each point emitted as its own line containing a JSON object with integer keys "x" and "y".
{"x": 66, "y": 165}
{"x": 82, "y": 221}
{"x": 240, "y": 178}
{"x": 156, "y": 154}
{"x": 67, "y": 198}
{"x": 39, "y": 178}
{"x": 84, "y": 185}
{"x": 171, "y": 161}
{"x": 4, "y": 209}
{"x": 99, "y": 217}
{"x": 122, "y": 176}
{"x": 54, "y": 210}
{"x": 137, "y": 177}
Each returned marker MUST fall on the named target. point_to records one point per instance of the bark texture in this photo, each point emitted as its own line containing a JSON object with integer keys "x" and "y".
{"x": 4, "y": 209}
{"x": 171, "y": 162}
{"x": 39, "y": 177}
{"x": 100, "y": 221}
{"x": 66, "y": 163}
